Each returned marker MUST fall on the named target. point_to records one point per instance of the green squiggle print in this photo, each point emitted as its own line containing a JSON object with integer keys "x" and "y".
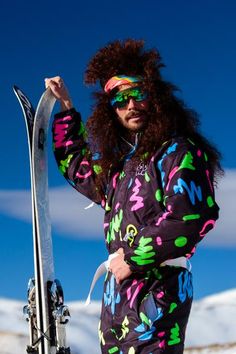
{"x": 210, "y": 201}
{"x": 97, "y": 169}
{"x": 181, "y": 241}
{"x": 174, "y": 337}
{"x": 187, "y": 162}
{"x": 114, "y": 226}
{"x": 173, "y": 306}
{"x": 124, "y": 328}
{"x": 144, "y": 318}
{"x": 64, "y": 164}
{"x": 144, "y": 252}
{"x": 147, "y": 178}
{"x": 191, "y": 217}
{"x": 158, "y": 195}
{"x": 113, "y": 350}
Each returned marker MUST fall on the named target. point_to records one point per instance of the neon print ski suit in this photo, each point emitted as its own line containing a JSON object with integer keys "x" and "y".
{"x": 155, "y": 212}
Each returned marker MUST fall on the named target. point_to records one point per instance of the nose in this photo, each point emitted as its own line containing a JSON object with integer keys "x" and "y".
{"x": 131, "y": 104}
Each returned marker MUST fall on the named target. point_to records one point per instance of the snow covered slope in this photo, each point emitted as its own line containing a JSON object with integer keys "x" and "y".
{"x": 211, "y": 330}
{"x": 213, "y": 320}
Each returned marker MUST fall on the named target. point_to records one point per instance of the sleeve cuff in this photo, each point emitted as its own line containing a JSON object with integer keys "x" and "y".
{"x": 68, "y": 112}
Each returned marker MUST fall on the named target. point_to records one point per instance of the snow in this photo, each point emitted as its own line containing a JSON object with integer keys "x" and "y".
{"x": 225, "y": 349}
{"x": 213, "y": 320}
{"x": 211, "y": 329}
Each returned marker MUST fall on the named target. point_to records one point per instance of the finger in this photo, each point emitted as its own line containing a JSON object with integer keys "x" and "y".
{"x": 59, "y": 81}
{"x": 49, "y": 83}
{"x": 117, "y": 278}
{"x": 54, "y": 78}
{"x": 54, "y": 86}
{"x": 54, "y": 82}
{"x": 46, "y": 80}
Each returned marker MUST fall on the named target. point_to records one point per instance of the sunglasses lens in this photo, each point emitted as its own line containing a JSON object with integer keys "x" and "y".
{"x": 122, "y": 98}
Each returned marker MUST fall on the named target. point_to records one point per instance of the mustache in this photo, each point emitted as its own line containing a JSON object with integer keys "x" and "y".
{"x": 135, "y": 112}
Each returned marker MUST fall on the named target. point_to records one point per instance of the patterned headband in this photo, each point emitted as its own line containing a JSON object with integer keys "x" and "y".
{"x": 120, "y": 80}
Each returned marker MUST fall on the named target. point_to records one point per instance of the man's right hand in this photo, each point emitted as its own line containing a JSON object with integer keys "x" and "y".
{"x": 59, "y": 91}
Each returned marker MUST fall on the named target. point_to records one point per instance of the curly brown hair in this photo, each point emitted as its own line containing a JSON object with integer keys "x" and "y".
{"x": 168, "y": 115}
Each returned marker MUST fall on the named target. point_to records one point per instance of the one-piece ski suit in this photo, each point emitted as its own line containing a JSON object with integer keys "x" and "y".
{"x": 157, "y": 211}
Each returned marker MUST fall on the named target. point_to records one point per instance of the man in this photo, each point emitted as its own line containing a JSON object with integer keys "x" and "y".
{"x": 143, "y": 160}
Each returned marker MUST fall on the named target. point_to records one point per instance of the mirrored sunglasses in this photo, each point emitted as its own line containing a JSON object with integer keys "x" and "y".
{"x": 121, "y": 99}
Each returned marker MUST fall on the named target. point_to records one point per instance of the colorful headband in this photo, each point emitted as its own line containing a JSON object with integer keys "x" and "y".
{"x": 120, "y": 80}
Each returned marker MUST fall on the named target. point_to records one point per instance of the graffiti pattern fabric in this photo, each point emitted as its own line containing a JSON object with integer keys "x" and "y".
{"x": 157, "y": 211}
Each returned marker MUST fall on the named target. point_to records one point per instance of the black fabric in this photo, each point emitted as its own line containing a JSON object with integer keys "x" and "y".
{"x": 157, "y": 211}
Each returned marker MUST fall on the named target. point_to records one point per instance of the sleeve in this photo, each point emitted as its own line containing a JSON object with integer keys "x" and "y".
{"x": 189, "y": 210}
{"x": 73, "y": 156}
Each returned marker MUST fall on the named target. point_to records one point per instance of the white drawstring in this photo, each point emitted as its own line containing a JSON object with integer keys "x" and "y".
{"x": 178, "y": 262}
{"x": 135, "y": 143}
{"x": 104, "y": 267}
{"x": 89, "y": 206}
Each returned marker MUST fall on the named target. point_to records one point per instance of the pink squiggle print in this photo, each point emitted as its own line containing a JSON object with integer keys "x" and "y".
{"x": 161, "y": 334}
{"x": 158, "y": 241}
{"x": 164, "y": 216}
{"x": 86, "y": 175}
{"x": 171, "y": 175}
{"x": 137, "y": 290}
{"x": 199, "y": 153}
{"x": 162, "y": 344}
{"x": 128, "y": 292}
{"x": 209, "y": 222}
{"x": 60, "y": 132}
{"x": 160, "y": 294}
{"x": 114, "y": 180}
{"x": 189, "y": 255}
{"x": 135, "y": 198}
{"x": 209, "y": 181}
{"x": 117, "y": 206}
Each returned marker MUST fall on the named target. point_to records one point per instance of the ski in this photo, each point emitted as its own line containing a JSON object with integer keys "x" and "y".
{"x": 46, "y": 313}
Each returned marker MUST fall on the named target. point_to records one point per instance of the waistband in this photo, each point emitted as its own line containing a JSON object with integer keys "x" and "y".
{"x": 104, "y": 266}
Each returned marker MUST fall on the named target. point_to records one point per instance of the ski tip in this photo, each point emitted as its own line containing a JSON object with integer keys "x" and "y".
{"x": 15, "y": 88}
{"x": 17, "y": 91}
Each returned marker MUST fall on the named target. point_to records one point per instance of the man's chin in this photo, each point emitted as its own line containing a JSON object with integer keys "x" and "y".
{"x": 136, "y": 126}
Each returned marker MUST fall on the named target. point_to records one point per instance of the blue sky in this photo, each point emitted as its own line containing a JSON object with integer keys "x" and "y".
{"x": 197, "y": 42}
